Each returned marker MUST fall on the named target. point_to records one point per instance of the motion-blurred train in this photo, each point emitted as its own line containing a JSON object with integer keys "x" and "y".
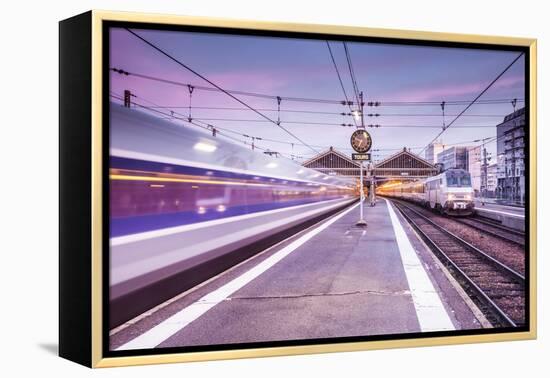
{"x": 450, "y": 192}
{"x": 185, "y": 205}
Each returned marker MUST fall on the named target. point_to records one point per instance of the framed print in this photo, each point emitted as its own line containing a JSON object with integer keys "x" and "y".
{"x": 234, "y": 189}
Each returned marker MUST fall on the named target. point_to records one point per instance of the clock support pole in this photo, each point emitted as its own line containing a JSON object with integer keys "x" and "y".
{"x": 361, "y": 221}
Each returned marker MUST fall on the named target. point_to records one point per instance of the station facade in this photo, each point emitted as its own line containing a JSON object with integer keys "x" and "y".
{"x": 401, "y": 165}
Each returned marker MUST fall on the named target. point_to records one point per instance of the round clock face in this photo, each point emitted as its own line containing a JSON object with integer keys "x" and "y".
{"x": 361, "y": 141}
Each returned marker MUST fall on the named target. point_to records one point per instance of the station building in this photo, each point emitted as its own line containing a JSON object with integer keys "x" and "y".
{"x": 492, "y": 180}
{"x": 454, "y": 157}
{"x": 432, "y": 151}
{"x": 474, "y": 167}
{"x": 401, "y": 165}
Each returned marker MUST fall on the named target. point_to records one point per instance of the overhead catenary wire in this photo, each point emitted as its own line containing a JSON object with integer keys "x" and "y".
{"x": 209, "y": 127}
{"x": 152, "y": 45}
{"x": 179, "y": 116}
{"x": 464, "y": 142}
{"x": 326, "y": 112}
{"x": 335, "y": 124}
{"x": 182, "y": 117}
{"x": 475, "y": 99}
{"x": 268, "y": 119}
{"x": 313, "y": 100}
{"x": 497, "y": 101}
{"x": 352, "y": 74}
{"x": 348, "y": 102}
{"x": 185, "y": 119}
{"x": 156, "y": 106}
{"x": 223, "y": 131}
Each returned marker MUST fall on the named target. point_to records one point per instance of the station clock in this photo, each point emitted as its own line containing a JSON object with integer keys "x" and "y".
{"x": 361, "y": 141}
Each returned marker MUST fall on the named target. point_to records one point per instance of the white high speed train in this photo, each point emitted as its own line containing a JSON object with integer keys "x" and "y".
{"x": 185, "y": 205}
{"x": 450, "y": 192}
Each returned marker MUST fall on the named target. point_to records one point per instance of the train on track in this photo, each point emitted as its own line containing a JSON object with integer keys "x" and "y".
{"x": 450, "y": 192}
{"x": 185, "y": 205}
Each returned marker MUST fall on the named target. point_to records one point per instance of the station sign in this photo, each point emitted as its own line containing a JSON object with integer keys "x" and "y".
{"x": 360, "y": 157}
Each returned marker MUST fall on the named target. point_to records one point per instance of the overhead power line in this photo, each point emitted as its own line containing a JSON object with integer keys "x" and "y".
{"x": 218, "y": 87}
{"x": 179, "y": 116}
{"x": 336, "y": 124}
{"x": 311, "y": 100}
{"x": 340, "y": 80}
{"x": 474, "y": 100}
{"x": 325, "y": 112}
{"x": 447, "y": 103}
{"x": 207, "y": 127}
{"x": 223, "y": 131}
{"x": 352, "y": 74}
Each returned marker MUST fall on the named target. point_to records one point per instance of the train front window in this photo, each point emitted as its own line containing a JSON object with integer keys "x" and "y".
{"x": 458, "y": 180}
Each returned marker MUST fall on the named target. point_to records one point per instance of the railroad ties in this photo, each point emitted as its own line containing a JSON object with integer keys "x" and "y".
{"x": 497, "y": 288}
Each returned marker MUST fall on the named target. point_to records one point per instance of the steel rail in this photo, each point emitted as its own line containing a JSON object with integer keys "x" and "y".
{"x": 480, "y": 294}
{"x": 477, "y": 224}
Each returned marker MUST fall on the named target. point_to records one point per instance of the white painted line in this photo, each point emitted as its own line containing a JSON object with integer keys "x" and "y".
{"x": 175, "y": 323}
{"x": 430, "y": 311}
{"x": 120, "y": 240}
{"x": 500, "y": 212}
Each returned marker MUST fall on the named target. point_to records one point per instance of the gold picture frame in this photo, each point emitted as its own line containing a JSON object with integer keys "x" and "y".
{"x": 93, "y": 24}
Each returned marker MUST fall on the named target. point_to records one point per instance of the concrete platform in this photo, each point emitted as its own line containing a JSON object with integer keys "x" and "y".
{"x": 333, "y": 280}
{"x": 510, "y": 216}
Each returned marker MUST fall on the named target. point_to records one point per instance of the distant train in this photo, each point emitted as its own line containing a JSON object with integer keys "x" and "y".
{"x": 450, "y": 192}
{"x": 185, "y": 205}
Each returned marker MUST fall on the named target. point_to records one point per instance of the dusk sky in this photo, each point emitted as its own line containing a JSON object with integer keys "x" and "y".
{"x": 303, "y": 68}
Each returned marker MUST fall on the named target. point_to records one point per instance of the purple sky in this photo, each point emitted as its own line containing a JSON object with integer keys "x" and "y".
{"x": 303, "y": 68}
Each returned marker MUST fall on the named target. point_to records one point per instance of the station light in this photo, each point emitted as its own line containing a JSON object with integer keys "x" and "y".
{"x": 204, "y": 147}
{"x": 271, "y": 165}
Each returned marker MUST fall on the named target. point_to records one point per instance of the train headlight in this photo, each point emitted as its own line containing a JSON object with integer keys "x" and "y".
{"x": 468, "y": 197}
{"x": 450, "y": 197}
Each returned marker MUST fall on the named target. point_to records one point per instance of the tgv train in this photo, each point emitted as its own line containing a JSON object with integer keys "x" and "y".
{"x": 449, "y": 192}
{"x": 185, "y": 205}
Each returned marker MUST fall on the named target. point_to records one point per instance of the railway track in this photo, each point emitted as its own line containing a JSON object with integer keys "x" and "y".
{"x": 498, "y": 290}
{"x": 495, "y": 229}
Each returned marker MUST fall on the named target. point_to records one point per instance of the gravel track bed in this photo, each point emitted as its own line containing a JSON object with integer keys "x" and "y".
{"x": 507, "y": 235}
{"x": 504, "y": 291}
{"x": 510, "y": 254}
